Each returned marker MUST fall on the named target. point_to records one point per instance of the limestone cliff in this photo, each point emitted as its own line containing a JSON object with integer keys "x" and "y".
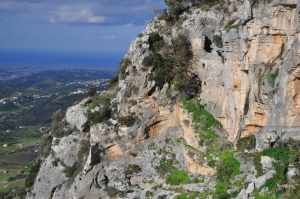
{"x": 247, "y": 69}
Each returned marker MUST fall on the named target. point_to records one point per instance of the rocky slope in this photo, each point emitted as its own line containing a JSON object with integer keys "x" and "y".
{"x": 154, "y": 145}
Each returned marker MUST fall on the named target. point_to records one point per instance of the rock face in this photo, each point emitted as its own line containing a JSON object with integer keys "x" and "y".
{"x": 76, "y": 115}
{"x": 251, "y": 84}
{"x": 237, "y": 86}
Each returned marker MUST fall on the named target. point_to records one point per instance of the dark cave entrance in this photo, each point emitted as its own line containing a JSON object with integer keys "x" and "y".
{"x": 207, "y": 44}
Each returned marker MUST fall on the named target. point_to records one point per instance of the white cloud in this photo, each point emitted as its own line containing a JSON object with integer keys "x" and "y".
{"x": 103, "y": 12}
{"x": 76, "y": 14}
{"x": 109, "y": 37}
{"x": 130, "y": 25}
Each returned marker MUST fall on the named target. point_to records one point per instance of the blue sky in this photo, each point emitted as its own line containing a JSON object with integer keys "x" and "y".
{"x": 74, "y": 25}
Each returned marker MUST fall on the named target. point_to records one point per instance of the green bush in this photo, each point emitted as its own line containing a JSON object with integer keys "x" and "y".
{"x": 45, "y": 145}
{"x": 171, "y": 65}
{"x": 271, "y": 77}
{"x": 218, "y": 41}
{"x": 83, "y": 151}
{"x": 255, "y": 2}
{"x": 283, "y": 154}
{"x": 257, "y": 164}
{"x": 60, "y": 129}
{"x": 228, "y": 167}
{"x": 175, "y": 177}
{"x": 55, "y": 163}
{"x": 91, "y": 92}
{"x": 182, "y": 49}
{"x": 211, "y": 163}
{"x": 104, "y": 114}
{"x": 10, "y": 179}
{"x": 156, "y": 41}
{"x": 123, "y": 64}
{"x": 149, "y": 194}
{"x": 201, "y": 116}
{"x": 178, "y": 177}
{"x": 70, "y": 171}
{"x": 246, "y": 143}
{"x": 58, "y": 116}
{"x": 175, "y": 9}
{"x": 133, "y": 168}
{"x": 29, "y": 181}
{"x": 162, "y": 196}
{"x": 113, "y": 81}
{"x": 112, "y": 192}
{"x": 127, "y": 120}
{"x": 154, "y": 60}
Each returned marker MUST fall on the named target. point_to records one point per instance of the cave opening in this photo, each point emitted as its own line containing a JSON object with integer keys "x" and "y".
{"x": 207, "y": 44}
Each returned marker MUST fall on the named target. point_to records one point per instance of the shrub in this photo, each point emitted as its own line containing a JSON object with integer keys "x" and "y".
{"x": 113, "y": 81}
{"x": 218, "y": 41}
{"x": 140, "y": 35}
{"x": 69, "y": 171}
{"x": 190, "y": 195}
{"x": 91, "y": 92}
{"x": 271, "y": 77}
{"x": 246, "y": 143}
{"x": 104, "y": 114}
{"x": 227, "y": 168}
{"x": 55, "y": 163}
{"x": 112, "y": 192}
{"x": 58, "y": 116}
{"x": 183, "y": 49}
{"x": 175, "y": 177}
{"x": 45, "y": 145}
{"x": 153, "y": 60}
{"x": 178, "y": 177}
{"x": 255, "y": 2}
{"x": 149, "y": 194}
{"x": 60, "y": 129}
{"x": 156, "y": 41}
{"x": 131, "y": 169}
{"x": 200, "y": 115}
{"x": 179, "y": 80}
{"x": 83, "y": 151}
{"x": 162, "y": 196}
{"x": 170, "y": 66}
{"x": 127, "y": 120}
{"x": 11, "y": 179}
{"x": 29, "y": 181}
{"x": 123, "y": 64}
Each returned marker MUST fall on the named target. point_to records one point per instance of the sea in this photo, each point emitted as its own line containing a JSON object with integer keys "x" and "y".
{"x": 59, "y": 58}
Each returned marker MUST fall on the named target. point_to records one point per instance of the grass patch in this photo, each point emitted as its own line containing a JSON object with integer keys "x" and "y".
{"x": 173, "y": 175}
{"x": 18, "y": 183}
{"x": 5, "y": 176}
{"x": 186, "y": 196}
{"x": 178, "y": 177}
{"x": 200, "y": 115}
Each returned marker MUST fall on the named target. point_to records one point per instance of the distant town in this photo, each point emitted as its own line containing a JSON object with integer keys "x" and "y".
{"x": 9, "y": 73}
{"x": 30, "y": 95}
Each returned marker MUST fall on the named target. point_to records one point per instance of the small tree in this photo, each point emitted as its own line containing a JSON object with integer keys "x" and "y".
{"x": 91, "y": 92}
{"x": 157, "y": 11}
{"x": 58, "y": 116}
{"x": 156, "y": 41}
{"x": 113, "y": 81}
